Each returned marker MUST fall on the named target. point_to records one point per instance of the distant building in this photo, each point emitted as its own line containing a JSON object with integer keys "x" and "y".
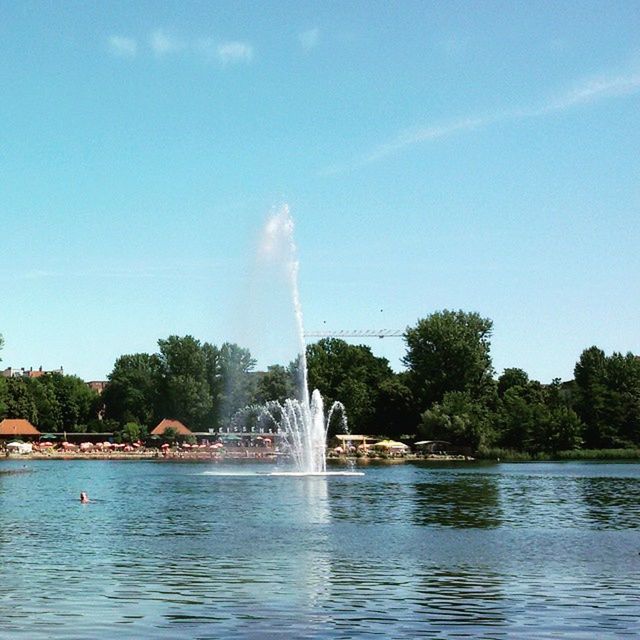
{"x": 11, "y": 372}
{"x": 351, "y": 441}
{"x": 13, "y": 427}
{"x": 171, "y": 424}
{"x": 97, "y": 385}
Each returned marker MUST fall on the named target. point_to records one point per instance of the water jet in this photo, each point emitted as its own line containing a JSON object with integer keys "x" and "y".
{"x": 301, "y": 423}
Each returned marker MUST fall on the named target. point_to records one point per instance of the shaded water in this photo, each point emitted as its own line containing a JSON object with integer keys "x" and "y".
{"x": 405, "y": 551}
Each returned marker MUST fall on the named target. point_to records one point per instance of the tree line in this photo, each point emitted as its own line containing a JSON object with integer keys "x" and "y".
{"x": 447, "y": 391}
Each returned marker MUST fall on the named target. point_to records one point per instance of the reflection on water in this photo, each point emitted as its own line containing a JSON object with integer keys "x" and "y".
{"x": 461, "y": 599}
{"x": 456, "y": 501}
{"x": 502, "y": 551}
{"x": 611, "y": 503}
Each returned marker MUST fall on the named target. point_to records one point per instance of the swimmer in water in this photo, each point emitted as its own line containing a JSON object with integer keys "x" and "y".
{"x": 84, "y": 498}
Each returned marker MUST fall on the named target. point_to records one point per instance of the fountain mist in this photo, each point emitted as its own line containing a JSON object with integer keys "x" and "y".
{"x": 301, "y": 421}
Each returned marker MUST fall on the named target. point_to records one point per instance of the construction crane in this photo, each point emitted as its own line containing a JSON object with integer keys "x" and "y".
{"x": 355, "y": 333}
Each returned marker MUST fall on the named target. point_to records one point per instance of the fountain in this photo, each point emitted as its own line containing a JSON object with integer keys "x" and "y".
{"x": 301, "y": 422}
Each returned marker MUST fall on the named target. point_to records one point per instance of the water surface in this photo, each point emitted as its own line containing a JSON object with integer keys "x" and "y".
{"x": 169, "y": 550}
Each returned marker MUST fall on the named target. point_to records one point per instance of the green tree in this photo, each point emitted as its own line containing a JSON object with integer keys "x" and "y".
{"x": 132, "y": 432}
{"x": 449, "y": 351}
{"x": 4, "y": 394}
{"x": 132, "y": 391}
{"x": 563, "y": 431}
{"x": 19, "y": 402}
{"x": 623, "y": 398}
{"x": 513, "y": 377}
{"x": 44, "y": 395}
{"x": 522, "y": 418}
{"x": 276, "y": 383}
{"x": 76, "y": 401}
{"x": 459, "y": 419}
{"x": 590, "y": 375}
{"x": 395, "y": 408}
{"x": 184, "y": 388}
{"x": 350, "y": 374}
{"x": 213, "y": 374}
{"x": 170, "y": 435}
{"x": 236, "y": 380}
{"x": 608, "y": 398}
{"x": 537, "y": 418}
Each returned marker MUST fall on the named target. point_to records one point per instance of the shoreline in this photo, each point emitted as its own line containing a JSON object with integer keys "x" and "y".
{"x": 238, "y": 454}
{"x": 271, "y": 457}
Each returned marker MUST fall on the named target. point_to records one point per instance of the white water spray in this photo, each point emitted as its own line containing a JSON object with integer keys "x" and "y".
{"x": 278, "y": 247}
{"x": 301, "y": 422}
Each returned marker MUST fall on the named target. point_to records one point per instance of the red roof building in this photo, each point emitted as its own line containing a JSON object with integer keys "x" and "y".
{"x": 97, "y": 385}
{"x": 17, "y": 427}
{"x": 171, "y": 424}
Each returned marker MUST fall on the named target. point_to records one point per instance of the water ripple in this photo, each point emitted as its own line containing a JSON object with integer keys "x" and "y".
{"x": 510, "y": 551}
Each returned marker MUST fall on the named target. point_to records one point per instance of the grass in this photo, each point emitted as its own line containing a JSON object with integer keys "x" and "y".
{"x": 599, "y": 454}
{"x": 511, "y": 455}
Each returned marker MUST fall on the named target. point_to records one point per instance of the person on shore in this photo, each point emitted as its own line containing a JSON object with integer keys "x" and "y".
{"x": 84, "y": 498}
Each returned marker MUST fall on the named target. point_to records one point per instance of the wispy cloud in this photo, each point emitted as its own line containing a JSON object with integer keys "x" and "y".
{"x": 582, "y": 93}
{"x": 122, "y": 46}
{"x": 235, "y": 52}
{"x": 309, "y": 39}
{"x": 162, "y": 43}
{"x": 591, "y": 90}
{"x": 423, "y": 134}
{"x": 408, "y": 138}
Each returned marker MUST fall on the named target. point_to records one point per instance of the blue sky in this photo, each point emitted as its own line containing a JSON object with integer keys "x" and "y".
{"x": 465, "y": 155}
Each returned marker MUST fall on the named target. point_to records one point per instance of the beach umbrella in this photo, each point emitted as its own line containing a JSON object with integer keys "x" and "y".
{"x": 185, "y": 445}
{"x": 165, "y": 445}
{"x": 20, "y": 447}
{"x": 390, "y": 444}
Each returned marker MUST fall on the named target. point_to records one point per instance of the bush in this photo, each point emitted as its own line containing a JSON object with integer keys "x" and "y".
{"x": 506, "y": 455}
{"x": 599, "y": 454}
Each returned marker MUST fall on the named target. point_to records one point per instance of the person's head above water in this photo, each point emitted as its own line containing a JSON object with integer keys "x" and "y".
{"x": 84, "y": 497}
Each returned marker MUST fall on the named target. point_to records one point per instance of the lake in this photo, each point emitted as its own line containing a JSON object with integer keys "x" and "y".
{"x": 193, "y": 550}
